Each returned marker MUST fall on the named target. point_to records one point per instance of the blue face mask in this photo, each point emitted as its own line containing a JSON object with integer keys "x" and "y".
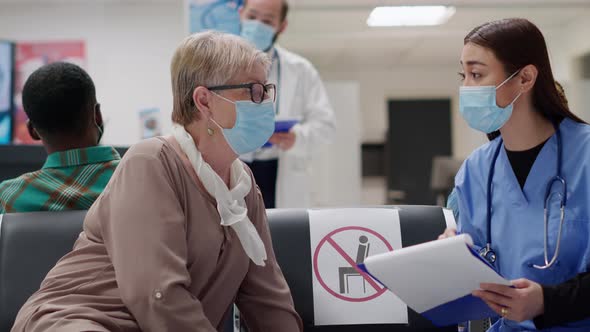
{"x": 478, "y": 107}
{"x": 255, "y": 123}
{"x": 258, "y": 33}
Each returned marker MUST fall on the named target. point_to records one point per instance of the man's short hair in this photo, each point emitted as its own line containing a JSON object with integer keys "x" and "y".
{"x": 59, "y": 98}
{"x": 284, "y": 9}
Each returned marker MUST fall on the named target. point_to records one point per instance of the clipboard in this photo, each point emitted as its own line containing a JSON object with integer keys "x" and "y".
{"x": 436, "y": 279}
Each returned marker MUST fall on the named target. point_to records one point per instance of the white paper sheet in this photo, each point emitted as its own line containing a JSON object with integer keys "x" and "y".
{"x": 430, "y": 274}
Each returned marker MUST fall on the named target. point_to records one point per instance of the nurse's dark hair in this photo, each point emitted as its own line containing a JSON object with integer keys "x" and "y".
{"x": 517, "y": 42}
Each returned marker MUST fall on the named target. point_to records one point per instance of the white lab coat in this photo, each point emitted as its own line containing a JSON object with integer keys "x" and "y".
{"x": 301, "y": 95}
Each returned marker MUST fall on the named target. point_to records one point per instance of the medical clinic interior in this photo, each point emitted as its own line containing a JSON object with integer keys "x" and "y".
{"x": 295, "y": 165}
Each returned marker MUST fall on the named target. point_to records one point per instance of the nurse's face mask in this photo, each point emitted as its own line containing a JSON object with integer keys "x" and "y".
{"x": 478, "y": 106}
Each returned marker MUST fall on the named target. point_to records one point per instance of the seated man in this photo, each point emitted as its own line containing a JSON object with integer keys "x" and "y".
{"x": 60, "y": 101}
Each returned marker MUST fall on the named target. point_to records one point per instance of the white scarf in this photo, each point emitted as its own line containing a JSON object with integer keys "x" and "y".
{"x": 231, "y": 204}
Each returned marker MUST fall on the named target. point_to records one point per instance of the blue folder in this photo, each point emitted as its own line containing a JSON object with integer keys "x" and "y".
{"x": 282, "y": 126}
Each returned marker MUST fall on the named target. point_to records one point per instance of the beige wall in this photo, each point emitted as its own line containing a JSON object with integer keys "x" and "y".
{"x": 377, "y": 86}
{"x": 380, "y": 84}
{"x": 129, "y": 49}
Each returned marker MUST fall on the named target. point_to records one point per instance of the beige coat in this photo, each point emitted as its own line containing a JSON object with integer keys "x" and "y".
{"x": 153, "y": 257}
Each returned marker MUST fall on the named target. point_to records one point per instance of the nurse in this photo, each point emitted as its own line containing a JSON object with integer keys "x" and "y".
{"x": 534, "y": 173}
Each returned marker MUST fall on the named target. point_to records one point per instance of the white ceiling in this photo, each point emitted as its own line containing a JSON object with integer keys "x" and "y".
{"x": 357, "y": 3}
{"x": 334, "y": 32}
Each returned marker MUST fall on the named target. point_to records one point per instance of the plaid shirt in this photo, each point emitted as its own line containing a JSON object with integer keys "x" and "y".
{"x": 69, "y": 180}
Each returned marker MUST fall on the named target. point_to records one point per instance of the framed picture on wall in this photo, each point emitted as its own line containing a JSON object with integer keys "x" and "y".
{"x": 6, "y": 90}
{"x": 150, "y": 122}
{"x": 30, "y": 56}
{"x": 220, "y": 15}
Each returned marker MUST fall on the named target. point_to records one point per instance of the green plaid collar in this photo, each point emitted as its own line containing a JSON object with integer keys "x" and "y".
{"x": 77, "y": 157}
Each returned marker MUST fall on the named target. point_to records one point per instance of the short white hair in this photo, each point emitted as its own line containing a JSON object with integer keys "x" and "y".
{"x": 208, "y": 59}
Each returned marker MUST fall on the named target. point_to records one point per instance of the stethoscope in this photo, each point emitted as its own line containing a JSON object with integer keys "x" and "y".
{"x": 275, "y": 57}
{"x": 487, "y": 252}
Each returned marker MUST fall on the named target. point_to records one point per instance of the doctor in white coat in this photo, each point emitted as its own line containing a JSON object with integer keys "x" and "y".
{"x": 283, "y": 170}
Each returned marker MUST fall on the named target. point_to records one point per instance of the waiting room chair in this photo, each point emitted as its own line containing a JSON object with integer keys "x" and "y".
{"x": 291, "y": 243}
{"x": 31, "y": 244}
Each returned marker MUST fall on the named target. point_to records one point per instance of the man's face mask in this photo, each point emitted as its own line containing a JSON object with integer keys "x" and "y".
{"x": 261, "y": 35}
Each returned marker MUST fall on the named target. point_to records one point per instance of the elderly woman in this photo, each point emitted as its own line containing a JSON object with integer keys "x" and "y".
{"x": 180, "y": 232}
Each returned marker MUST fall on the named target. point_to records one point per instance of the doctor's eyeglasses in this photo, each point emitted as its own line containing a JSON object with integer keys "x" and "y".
{"x": 258, "y": 92}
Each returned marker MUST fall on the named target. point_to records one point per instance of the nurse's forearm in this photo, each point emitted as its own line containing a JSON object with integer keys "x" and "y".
{"x": 566, "y": 302}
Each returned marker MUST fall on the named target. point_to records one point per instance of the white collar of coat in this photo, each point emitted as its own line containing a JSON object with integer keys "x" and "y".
{"x": 231, "y": 204}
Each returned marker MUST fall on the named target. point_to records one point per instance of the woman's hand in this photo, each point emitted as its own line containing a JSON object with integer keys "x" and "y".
{"x": 523, "y": 301}
{"x": 449, "y": 232}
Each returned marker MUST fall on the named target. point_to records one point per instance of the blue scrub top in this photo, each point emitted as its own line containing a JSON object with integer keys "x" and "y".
{"x": 517, "y": 214}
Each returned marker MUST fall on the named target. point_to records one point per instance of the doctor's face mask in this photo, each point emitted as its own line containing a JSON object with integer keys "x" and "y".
{"x": 260, "y": 34}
